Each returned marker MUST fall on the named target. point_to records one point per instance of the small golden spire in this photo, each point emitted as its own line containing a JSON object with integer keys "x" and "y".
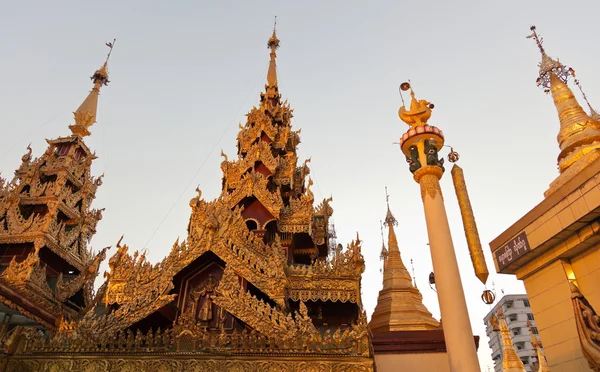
{"x": 542, "y": 363}
{"x": 510, "y": 359}
{"x": 549, "y": 66}
{"x": 273, "y": 44}
{"x": 420, "y": 110}
{"x": 85, "y": 115}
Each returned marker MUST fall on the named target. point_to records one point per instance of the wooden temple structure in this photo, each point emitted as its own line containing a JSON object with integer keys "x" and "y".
{"x": 258, "y": 284}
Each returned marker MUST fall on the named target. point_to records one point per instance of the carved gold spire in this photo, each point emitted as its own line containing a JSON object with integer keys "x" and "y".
{"x": 273, "y": 45}
{"x": 579, "y": 132}
{"x": 542, "y": 364}
{"x": 510, "y": 360}
{"x": 400, "y": 305}
{"x": 85, "y": 115}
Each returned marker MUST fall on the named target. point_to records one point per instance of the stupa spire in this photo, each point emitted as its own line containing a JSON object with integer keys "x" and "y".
{"x": 542, "y": 364}
{"x": 510, "y": 360}
{"x": 579, "y": 132}
{"x": 395, "y": 274}
{"x": 85, "y": 115}
{"x": 400, "y": 305}
{"x": 273, "y": 45}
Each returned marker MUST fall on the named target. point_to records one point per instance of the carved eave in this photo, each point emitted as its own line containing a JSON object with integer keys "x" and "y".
{"x": 265, "y": 273}
{"x": 72, "y": 139}
{"x": 24, "y": 288}
{"x": 45, "y": 200}
{"x": 18, "y": 300}
{"x": 49, "y": 242}
{"x": 297, "y": 217}
{"x": 340, "y": 277}
{"x": 255, "y": 184}
{"x": 305, "y": 289}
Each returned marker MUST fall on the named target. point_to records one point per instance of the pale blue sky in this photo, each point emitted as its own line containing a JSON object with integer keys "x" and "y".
{"x": 185, "y": 73}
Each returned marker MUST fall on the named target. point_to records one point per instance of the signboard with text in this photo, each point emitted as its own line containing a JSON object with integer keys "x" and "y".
{"x": 512, "y": 250}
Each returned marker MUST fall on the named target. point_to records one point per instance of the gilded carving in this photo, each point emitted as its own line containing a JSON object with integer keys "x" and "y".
{"x": 588, "y": 327}
{"x": 48, "y": 204}
{"x": 428, "y": 178}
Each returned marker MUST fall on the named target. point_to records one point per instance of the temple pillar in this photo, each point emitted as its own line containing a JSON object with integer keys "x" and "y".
{"x": 458, "y": 334}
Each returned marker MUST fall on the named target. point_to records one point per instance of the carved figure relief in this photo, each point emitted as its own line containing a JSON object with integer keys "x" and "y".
{"x": 431, "y": 152}
{"x": 413, "y": 161}
{"x": 202, "y": 298}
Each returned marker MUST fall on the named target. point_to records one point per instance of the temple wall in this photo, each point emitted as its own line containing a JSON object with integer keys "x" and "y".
{"x": 412, "y": 362}
{"x": 586, "y": 267}
{"x": 550, "y": 299}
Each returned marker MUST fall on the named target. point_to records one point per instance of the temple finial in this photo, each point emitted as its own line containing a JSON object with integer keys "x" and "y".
{"x": 85, "y": 115}
{"x": 389, "y": 217}
{"x": 549, "y": 66}
{"x": 273, "y": 44}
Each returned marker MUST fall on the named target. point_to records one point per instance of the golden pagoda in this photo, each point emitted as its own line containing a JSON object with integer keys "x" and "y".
{"x": 554, "y": 247}
{"x": 399, "y": 305}
{"x": 46, "y": 221}
{"x": 510, "y": 359}
{"x": 254, "y": 286}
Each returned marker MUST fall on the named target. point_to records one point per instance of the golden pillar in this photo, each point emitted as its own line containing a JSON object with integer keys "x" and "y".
{"x": 421, "y": 144}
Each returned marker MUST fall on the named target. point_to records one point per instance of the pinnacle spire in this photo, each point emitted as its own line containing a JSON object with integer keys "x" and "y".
{"x": 400, "y": 304}
{"x": 542, "y": 363}
{"x": 579, "y": 132}
{"x": 273, "y": 45}
{"x": 510, "y": 360}
{"x": 85, "y": 115}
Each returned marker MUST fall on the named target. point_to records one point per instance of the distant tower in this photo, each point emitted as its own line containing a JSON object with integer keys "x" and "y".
{"x": 46, "y": 223}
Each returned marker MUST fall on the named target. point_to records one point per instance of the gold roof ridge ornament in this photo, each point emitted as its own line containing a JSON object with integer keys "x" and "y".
{"x": 85, "y": 115}
{"x": 579, "y": 134}
{"x": 272, "y": 90}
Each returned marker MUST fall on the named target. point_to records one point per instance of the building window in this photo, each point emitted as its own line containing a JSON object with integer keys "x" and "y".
{"x": 519, "y": 346}
{"x": 526, "y": 303}
{"x": 509, "y": 304}
{"x": 534, "y": 330}
{"x": 525, "y": 360}
{"x": 529, "y": 316}
{"x": 513, "y": 317}
{"x": 516, "y": 331}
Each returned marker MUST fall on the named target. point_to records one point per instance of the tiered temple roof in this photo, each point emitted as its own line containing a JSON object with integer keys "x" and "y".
{"x": 255, "y": 275}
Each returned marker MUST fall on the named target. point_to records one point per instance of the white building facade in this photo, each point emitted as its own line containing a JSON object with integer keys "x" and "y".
{"x": 517, "y": 312}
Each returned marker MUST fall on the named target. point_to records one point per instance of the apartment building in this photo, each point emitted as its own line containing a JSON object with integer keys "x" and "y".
{"x": 517, "y": 312}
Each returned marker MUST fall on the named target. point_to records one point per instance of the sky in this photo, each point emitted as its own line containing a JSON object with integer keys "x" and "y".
{"x": 183, "y": 74}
